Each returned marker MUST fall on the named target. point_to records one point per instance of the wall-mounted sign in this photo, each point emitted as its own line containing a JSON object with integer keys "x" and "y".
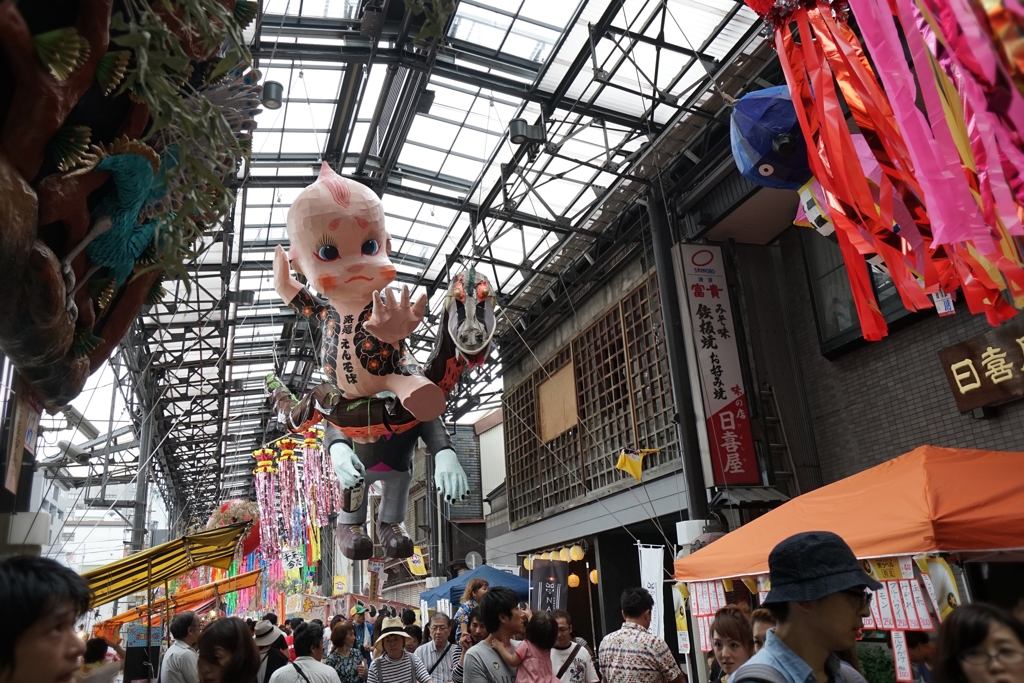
{"x": 726, "y": 410}
{"x": 988, "y": 369}
{"x": 24, "y": 433}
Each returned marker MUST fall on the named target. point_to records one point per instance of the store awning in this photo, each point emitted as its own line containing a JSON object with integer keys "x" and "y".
{"x": 929, "y": 500}
{"x": 213, "y": 548}
{"x": 188, "y": 599}
{"x": 748, "y": 497}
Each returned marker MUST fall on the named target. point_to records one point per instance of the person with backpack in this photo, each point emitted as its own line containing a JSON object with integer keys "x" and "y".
{"x": 819, "y": 597}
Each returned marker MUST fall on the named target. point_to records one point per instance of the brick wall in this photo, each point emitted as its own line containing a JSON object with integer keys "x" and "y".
{"x": 886, "y": 398}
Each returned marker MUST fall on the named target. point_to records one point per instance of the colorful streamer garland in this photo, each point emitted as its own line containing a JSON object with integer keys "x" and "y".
{"x": 955, "y": 168}
{"x": 287, "y": 464}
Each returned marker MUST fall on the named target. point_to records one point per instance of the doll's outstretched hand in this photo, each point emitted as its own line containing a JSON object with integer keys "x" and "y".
{"x": 285, "y": 283}
{"x": 393, "y": 320}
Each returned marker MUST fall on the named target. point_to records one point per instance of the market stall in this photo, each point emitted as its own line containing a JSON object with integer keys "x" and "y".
{"x": 930, "y": 500}
{"x": 194, "y": 600}
{"x": 213, "y": 548}
{"x": 902, "y": 518}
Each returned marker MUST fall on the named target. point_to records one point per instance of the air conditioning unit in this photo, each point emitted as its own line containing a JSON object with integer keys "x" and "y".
{"x": 435, "y": 581}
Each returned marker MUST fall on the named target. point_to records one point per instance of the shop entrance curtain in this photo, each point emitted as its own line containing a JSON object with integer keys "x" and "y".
{"x": 213, "y": 548}
{"x": 928, "y": 500}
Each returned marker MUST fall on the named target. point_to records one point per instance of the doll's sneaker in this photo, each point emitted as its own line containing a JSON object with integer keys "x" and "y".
{"x": 355, "y": 544}
{"x": 394, "y": 539}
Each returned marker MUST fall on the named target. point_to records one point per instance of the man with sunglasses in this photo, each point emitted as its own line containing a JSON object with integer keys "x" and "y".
{"x": 819, "y": 597}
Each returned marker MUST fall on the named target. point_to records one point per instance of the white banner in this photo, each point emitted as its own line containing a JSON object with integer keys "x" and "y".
{"x": 901, "y": 657}
{"x": 652, "y": 568}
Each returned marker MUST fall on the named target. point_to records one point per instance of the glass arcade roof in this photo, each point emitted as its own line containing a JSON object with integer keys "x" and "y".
{"x": 621, "y": 87}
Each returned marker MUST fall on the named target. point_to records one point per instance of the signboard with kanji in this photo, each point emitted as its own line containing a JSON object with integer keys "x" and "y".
{"x": 726, "y": 410}
{"x": 988, "y": 369}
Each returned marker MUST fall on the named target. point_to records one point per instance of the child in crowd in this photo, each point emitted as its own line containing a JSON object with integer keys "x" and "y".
{"x": 533, "y": 655}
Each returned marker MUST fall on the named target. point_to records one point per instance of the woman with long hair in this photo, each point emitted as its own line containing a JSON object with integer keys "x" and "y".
{"x": 475, "y": 590}
{"x": 227, "y": 653}
{"x": 345, "y": 657}
{"x": 980, "y": 643}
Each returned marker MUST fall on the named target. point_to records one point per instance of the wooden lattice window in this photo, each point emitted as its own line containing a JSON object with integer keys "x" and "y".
{"x": 650, "y": 383}
{"x": 603, "y": 397}
{"x": 521, "y": 455}
{"x": 623, "y": 398}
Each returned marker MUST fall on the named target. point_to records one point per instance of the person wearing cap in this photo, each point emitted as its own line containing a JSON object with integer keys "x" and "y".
{"x": 392, "y": 663}
{"x": 364, "y": 630}
{"x": 271, "y": 657}
{"x": 307, "y": 667}
{"x": 819, "y": 598}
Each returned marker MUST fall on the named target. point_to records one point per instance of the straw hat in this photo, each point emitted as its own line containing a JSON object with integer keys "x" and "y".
{"x": 391, "y": 626}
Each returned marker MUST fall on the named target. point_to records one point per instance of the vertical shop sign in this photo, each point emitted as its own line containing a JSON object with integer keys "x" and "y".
{"x": 922, "y": 609}
{"x": 24, "y": 433}
{"x": 652, "y": 568}
{"x": 908, "y": 606}
{"x": 898, "y": 614}
{"x": 901, "y": 657}
{"x": 882, "y": 596}
{"x": 726, "y": 411}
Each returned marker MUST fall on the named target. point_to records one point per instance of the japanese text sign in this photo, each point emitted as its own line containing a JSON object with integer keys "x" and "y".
{"x": 726, "y": 411}
{"x": 988, "y": 369}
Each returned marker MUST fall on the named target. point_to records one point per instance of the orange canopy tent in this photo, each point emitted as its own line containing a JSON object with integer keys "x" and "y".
{"x": 929, "y": 500}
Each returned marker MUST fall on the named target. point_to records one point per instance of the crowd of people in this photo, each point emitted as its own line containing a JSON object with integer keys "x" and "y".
{"x": 804, "y": 632}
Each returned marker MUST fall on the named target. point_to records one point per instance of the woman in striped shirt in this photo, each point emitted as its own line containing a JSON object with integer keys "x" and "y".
{"x": 392, "y": 664}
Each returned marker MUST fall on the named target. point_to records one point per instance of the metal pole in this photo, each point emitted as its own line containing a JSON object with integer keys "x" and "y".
{"x": 440, "y": 556}
{"x": 686, "y": 419}
{"x": 142, "y": 482}
{"x": 149, "y": 615}
{"x": 590, "y": 601}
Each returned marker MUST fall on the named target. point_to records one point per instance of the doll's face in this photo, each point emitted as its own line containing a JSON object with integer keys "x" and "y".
{"x": 338, "y": 239}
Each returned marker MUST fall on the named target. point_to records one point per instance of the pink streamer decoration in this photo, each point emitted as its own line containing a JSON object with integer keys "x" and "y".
{"x": 994, "y": 113}
{"x": 288, "y": 477}
{"x": 270, "y": 532}
{"x": 953, "y": 212}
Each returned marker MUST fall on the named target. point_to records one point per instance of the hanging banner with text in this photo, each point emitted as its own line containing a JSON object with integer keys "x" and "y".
{"x": 549, "y": 585}
{"x": 652, "y": 569}
{"x": 718, "y": 363}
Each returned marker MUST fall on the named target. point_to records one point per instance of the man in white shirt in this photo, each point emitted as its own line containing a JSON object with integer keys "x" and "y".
{"x": 309, "y": 649}
{"x": 181, "y": 661}
{"x": 570, "y": 660}
{"x": 436, "y": 653}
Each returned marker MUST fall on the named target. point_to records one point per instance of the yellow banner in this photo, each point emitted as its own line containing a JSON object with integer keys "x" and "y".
{"x": 415, "y": 562}
{"x": 886, "y": 569}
